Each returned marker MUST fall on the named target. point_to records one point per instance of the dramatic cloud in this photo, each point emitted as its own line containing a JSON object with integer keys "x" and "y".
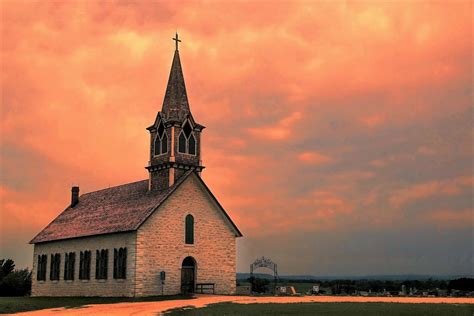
{"x": 429, "y": 189}
{"x": 339, "y": 134}
{"x": 313, "y": 158}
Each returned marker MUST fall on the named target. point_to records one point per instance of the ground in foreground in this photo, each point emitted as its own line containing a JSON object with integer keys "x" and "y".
{"x": 239, "y": 305}
{"x": 352, "y": 309}
{"x": 10, "y": 305}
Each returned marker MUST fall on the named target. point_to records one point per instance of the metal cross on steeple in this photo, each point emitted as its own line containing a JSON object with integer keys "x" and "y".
{"x": 176, "y": 39}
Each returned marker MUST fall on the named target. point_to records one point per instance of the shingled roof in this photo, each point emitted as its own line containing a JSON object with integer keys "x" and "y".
{"x": 117, "y": 209}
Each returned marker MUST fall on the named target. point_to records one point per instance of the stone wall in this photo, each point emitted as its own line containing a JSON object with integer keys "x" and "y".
{"x": 161, "y": 245}
{"x": 159, "y": 179}
{"x": 92, "y": 287}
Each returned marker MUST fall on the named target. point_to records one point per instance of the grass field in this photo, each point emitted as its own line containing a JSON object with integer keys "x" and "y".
{"x": 352, "y": 309}
{"x": 23, "y": 304}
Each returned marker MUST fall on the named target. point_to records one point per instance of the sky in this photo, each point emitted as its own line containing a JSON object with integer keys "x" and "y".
{"x": 339, "y": 134}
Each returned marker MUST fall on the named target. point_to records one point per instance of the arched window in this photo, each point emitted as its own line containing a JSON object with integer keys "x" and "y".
{"x": 187, "y": 142}
{"x": 189, "y": 230}
{"x": 161, "y": 141}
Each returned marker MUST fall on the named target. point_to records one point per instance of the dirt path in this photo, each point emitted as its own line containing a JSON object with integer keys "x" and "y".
{"x": 153, "y": 308}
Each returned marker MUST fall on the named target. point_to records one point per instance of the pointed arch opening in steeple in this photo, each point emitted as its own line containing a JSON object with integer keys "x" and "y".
{"x": 182, "y": 143}
{"x": 187, "y": 140}
{"x": 160, "y": 144}
{"x": 192, "y": 145}
{"x": 187, "y": 129}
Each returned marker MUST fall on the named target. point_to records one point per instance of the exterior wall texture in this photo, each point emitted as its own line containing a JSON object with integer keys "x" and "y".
{"x": 159, "y": 179}
{"x": 92, "y": 287}
{"x": 161, "y": 244}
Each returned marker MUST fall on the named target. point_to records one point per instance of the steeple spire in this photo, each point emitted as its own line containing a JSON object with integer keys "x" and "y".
{"x": 175, "y": 104}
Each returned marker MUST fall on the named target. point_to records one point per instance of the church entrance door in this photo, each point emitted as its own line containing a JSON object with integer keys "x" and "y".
{"x": 188, "y": 275}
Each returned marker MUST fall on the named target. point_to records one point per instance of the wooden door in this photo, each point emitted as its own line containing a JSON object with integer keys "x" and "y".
{"x": 187, "y": 280}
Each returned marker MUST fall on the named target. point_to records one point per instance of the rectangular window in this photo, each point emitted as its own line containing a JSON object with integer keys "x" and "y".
{"x": 55, "y": 266}
{"x": 85, "y": 265}
{"x": 41, "y": 268}
{"x": 101, "y": 261}
{"x": 120, "y": 263}
{"x": 69, "y": 263}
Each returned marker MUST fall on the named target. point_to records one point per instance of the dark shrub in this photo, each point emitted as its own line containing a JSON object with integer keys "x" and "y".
{"x": 463, "y": 284}
{"x": 259, "y": 285}
{"x": 16, "y": 283}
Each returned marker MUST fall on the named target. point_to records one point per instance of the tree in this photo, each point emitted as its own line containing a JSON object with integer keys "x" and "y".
{"x": 16, "y": 283}
{"x": 6, "y": 267}
{"x": 259, "y": 285}
{"x": 463, "y": 284}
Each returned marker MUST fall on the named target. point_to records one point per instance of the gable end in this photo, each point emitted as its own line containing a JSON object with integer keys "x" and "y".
{"x": 203, "y": 185}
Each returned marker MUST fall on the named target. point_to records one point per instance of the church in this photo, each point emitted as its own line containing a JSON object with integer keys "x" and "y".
{"x": 164, "y": 235}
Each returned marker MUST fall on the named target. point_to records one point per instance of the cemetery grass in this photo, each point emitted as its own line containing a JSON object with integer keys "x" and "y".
{"x": 353, "y": 309}
{"x": 10, "y": 305}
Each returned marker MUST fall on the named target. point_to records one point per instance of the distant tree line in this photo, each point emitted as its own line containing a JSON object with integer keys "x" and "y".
{"x": 14, "y": 282}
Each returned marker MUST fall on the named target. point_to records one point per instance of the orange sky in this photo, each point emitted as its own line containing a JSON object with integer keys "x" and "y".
{"x": 336, "y": 131}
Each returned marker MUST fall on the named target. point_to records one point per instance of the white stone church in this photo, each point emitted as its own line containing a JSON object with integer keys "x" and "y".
{"x": 164, "y": 235}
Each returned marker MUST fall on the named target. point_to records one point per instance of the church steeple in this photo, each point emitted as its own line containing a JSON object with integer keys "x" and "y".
{"x": 175, "y": 104}
{"x": 175, "y": 143}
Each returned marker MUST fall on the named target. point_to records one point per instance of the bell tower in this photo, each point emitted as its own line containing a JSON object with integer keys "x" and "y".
{"x": 175, "y": 137}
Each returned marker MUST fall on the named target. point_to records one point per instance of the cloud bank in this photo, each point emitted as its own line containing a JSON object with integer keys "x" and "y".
{"x": 339, "y": 134}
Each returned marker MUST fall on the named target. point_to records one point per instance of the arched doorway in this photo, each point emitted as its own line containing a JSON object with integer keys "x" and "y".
{"x": 188, "y": 275}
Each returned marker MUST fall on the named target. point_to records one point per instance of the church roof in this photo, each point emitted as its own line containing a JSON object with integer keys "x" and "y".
{"x": 118, "y": 209}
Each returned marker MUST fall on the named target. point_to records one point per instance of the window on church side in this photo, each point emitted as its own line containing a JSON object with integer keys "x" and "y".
{"x": 54, "y": 268}
{"x": 160, "y": 145}
{"x": 187, "y": 141}
{"x": 85, "y": 265}
{"x": 41, "y": 268}
{"x": 120, "y": 263}
{"x": 101, "y": 261}
{"x": 69, "y": 262}
{"x": 189, "y": 230}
